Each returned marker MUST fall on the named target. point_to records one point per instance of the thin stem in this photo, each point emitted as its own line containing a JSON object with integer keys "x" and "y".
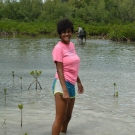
{"x": 5, "y": 99}
{"x": 31, "y": 84}
{"x": 36, "y": 84}
{"x": 114, "y": 91}
{"x": 4, "y": 123}
{"x": 39, "y": 84}
{"x": 21, "y": 84}
{"x": 21, "y": 118}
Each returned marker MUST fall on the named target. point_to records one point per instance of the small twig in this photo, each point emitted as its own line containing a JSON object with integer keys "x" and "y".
{"x": 31, "y": 84}
{"x": 36, "y": 84}
{"x": 5, "y": 92}
{"x": 21, "y": 82}
{"x": 114, "y": 89}
{"x": 4, "y": 123}
{"x": 13, "y": 76}
{"x": 39, "y": 84}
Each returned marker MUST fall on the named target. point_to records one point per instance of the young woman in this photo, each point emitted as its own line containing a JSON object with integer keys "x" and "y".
{"x": 67, "y": 66}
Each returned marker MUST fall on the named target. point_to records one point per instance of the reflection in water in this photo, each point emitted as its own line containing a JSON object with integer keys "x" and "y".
{"x": 103, "y": 63}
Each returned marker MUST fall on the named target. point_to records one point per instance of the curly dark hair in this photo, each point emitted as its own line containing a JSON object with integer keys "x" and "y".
{"x": 64, "y": 24}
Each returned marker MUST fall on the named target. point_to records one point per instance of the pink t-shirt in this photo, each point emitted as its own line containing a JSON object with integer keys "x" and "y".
{"x": 67, "y": 55}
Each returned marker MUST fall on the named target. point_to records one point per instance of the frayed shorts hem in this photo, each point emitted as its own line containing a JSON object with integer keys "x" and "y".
{"x": 56, "y": 88}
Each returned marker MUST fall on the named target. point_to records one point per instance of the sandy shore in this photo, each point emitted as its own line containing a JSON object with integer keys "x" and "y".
{"x": 77, "y": 126}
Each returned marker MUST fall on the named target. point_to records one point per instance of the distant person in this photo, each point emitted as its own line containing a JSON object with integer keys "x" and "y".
{"x": 79, "y": 32}
{"x": 84, "y": 33}
{"x": 67, "y": 67}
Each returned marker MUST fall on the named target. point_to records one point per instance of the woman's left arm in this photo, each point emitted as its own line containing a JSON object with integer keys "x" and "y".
{"x": 80, "y": 86}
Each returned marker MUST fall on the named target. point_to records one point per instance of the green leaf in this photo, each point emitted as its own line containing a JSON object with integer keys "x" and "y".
{"x": 116, "y": 94}
{"x": 20, "y": 106}
{"x": 32, "y": 72}
{"x": 5, "y": 91}
{"x": 13, "y": 72}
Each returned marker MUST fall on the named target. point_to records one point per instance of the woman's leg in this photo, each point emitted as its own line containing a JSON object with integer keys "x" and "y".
{"x": 68, "y": 115}
{"x": 61, "y": 109}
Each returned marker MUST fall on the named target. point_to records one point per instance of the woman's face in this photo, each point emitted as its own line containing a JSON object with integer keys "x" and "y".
{"x": 66, "y": 35}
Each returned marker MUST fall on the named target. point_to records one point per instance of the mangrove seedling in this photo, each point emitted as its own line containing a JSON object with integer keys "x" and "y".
{"x": 5, "y": 93}
{"x": 26, "y": 134}
{"x": 20, "y": 106}
{"x": 21, "y": 81}
{"x": 13, "y": 75}
{"x": 116, "y": 93}
{"x": 114, "y": 88}
{"x": 35, "y": 74}
{"x": 4, "y": 123}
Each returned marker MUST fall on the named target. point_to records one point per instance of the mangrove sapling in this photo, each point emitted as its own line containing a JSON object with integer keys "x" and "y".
{"x": 20, "y": 106}
{"x": 21, "y": 82}
{"x": 13, "y": 76}
{"x": 114, "y": 88}
{"x": 115, "y": 92}
{"x": 5, "y": 93}
{"x": 35, "y": 74}
{"x": 4, "y": 123}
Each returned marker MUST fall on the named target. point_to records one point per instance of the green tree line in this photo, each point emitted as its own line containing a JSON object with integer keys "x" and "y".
{"x": 113, "y": 18}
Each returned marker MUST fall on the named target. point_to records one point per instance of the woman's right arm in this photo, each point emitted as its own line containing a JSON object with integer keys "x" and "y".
{"x": 59, "y": 67}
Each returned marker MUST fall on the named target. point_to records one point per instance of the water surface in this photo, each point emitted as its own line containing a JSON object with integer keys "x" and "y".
{"x": 96, "y": 112}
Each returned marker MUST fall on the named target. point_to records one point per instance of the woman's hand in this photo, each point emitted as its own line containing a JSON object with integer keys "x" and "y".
{"x": 66, "y": 95}
{"x": 80, "y": 88}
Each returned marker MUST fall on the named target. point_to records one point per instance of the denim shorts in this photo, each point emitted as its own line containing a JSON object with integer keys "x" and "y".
{"x": 56, "y": 88}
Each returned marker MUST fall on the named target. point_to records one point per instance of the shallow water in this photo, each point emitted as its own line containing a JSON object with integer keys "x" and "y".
{"x": 96, "y": 112}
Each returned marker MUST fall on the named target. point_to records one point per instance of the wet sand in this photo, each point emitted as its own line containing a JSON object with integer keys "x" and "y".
{"x": 39, "y": 113}
{"x": 76, "y": 127}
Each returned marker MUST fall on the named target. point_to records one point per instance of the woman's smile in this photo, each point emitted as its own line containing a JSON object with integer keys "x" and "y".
{"x": 65, "y": 36}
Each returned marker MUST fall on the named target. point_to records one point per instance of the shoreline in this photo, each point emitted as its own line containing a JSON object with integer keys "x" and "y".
{"x": 105, "y": 37}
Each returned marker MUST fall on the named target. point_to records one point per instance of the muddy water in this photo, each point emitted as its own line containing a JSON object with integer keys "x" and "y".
{"x": 96, "y": 112}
